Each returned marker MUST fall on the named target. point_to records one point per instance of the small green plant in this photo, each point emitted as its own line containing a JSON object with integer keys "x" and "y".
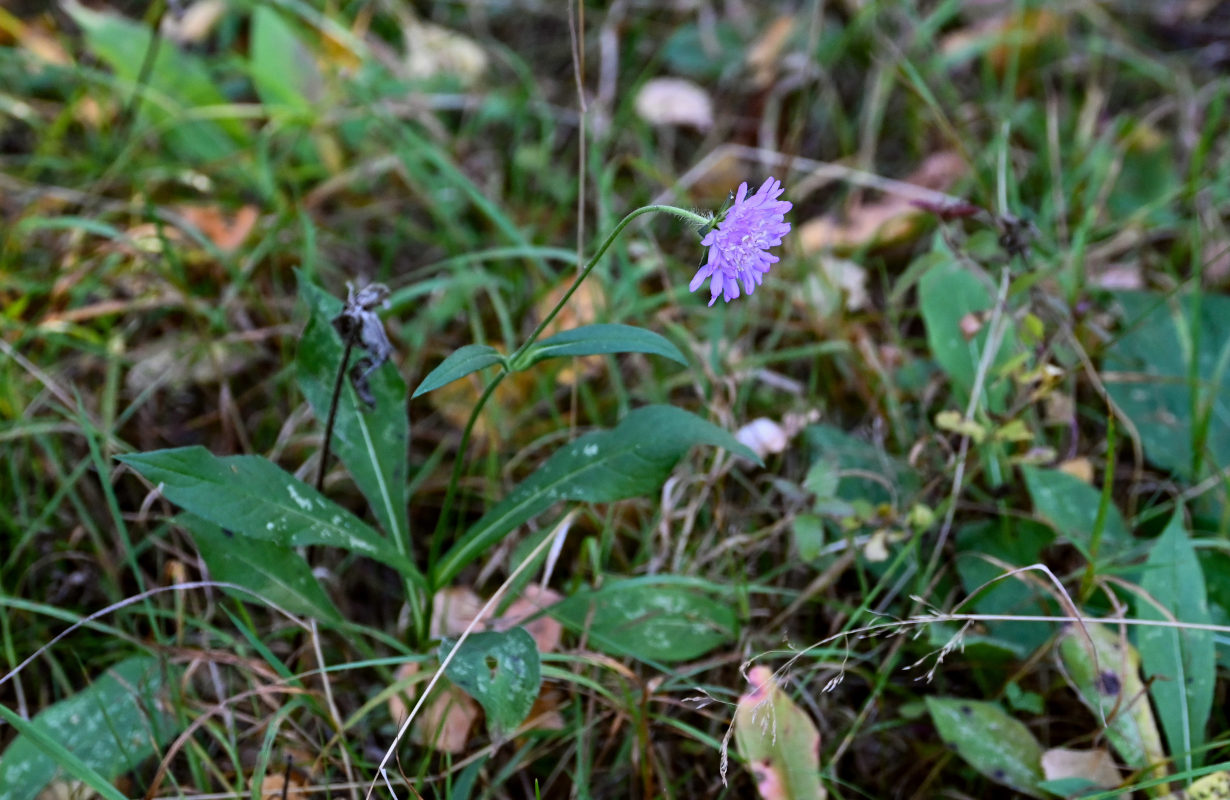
{"x": 251, "y": 498}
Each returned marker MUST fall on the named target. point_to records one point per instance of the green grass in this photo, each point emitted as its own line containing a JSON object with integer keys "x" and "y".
{"x": 1039, "y": 379}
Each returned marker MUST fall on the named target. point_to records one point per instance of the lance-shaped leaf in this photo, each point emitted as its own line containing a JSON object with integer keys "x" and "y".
{"x": 105, "y": 729}
{"x": 1181, "y": 661}
{"x": 272, "y": 572}
{"x": 632, "y": 459}
{"x": 592, "y": 340}
{"x": 253, "y": 496}
{"x": 371, "y": 442}
{"x": 463, "y": 361}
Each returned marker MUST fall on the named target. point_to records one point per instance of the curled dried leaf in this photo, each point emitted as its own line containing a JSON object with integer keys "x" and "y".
{"x": 359, "y": 325}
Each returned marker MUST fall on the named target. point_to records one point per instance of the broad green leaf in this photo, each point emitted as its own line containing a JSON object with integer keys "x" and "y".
{"x": 591, "y": 340}
{"x": 1107, "y": 679}
{"x": 842, "y": 464}
{"x": 252, "y": 496}
{"x": 632, "y": 459}
{"x": 1018, "y": 543}
{"x": 1181, "y": 662}
{"x": 778, "y": 741}
{"x": 372, "y": 443}
{"x": 649, "y": 619}
{"x": 178, "y": 83}
{"x": 809, "y": 536}
{"x": 467, "y": 359}
{"x": 106, "y": 729}
{"x": 283, "y": 70}
{"x": 274, "y": 572}
{"x": 991, "y": 741}
{"x": 948, "y": 293}
{"x": 1151, "y": 366}
{"x": 502, "y": 671}
{"x": 1070, "y": 506}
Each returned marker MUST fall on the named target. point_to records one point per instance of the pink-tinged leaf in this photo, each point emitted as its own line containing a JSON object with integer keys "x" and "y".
{"x": 779, "y": 742}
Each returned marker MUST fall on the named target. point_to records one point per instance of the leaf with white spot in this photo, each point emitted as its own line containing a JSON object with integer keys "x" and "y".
{"x": 252, "y": 496}
{"x": 106, "y": 729}
{"x": 649, "y": 619}
{"x": 634, "y": 458}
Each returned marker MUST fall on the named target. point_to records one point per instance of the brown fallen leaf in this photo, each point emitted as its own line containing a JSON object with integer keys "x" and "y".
{"x": 886, "y": 222}
{"x": 1093, "y": 765}
{"x": 1080, "y": 468}
{"x": 764, "y": 57}
{"x": 454, "y": 608}
{"x": 225, "y": 230}
{"x": 583, "y": 308}
{"x": 445, "y": 720}
{"x": 278, "y": 785}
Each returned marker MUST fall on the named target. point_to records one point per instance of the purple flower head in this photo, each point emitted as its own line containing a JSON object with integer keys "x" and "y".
{"x": 739, "y": 243}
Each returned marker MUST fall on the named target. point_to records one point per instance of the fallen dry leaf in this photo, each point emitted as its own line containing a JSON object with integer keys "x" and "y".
{"x": 1094, "y": 765}
{"x": 675, "y": 102}
{"x": 765, "y": 55}
{"x": 34, "y": 39}
{"x": 583, "y": 308}
{"x": 227, "y": 231}
{"x": 456, "y": 400}
{"x": 889, "y": 221}
{"x": 432, "y": 50}
{"x": 445, "y": 720}
{"x": 454, "y": 608}
{"x": 278, "y": 785}
{"x": 195, "y": 22}
{"x": 1080, "y": 468}
{"x": 762, "y": 436}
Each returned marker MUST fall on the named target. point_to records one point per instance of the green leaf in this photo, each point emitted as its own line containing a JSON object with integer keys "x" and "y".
{"x": 847, "y": 468}
{"x": 178, "y": 82}
{"x": 989, "y": 740}
{"x": 502, "y": 671}
{"x": 1107, "y": 678}
{"x": 1183, "y": 662}
{"x": 1070, "y": 506}
{"x": 778, "y": 741}
{"x": 590, "y": 340}
{"x": 632, "y": 459}
{"x": 254, "y": 497}
{"x": 808, "y": 536}
{"x": 283, "y": 69}
{"x": 100, "y": 732}
{"x": 273, "y": 572}
{"x": 372, "y": 443}
{"x": 467, "y": 359}
{"x": 1181, "y": 422}
{"x": 947, "y": 294}
{"x": 649, "y": 620}
{"x": 1018, "y": 543}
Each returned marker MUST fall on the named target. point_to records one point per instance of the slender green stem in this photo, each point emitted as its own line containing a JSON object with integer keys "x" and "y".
{"x": 451, "y": 492}
{"x": 593, "y": 262}
{"x": 512, "y": 362}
